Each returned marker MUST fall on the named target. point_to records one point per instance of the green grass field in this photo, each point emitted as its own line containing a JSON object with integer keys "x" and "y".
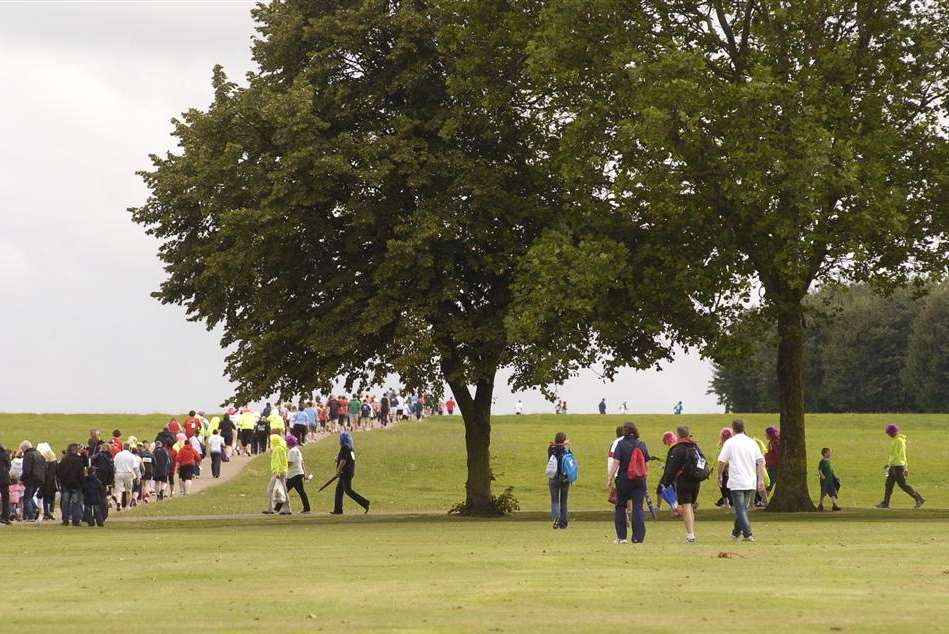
{"x": 411, "y": 568}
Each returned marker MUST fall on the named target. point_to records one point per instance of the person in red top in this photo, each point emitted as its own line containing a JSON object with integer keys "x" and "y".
{"x": 192, "y": 425}
{"x": 450, "y": 405}
{"x": 115, "y": 446}
{"x": 187, "y": 463}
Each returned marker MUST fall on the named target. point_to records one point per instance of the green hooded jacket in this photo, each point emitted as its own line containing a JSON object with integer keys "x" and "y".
{"x": 278, "y": 455}
{"x": 897, "y": 457}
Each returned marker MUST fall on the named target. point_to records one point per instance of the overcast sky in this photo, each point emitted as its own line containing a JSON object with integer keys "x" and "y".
{"x": 87, "y": 91}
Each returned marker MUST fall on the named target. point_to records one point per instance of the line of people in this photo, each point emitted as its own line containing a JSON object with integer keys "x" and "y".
{"x": 747, "y": 470}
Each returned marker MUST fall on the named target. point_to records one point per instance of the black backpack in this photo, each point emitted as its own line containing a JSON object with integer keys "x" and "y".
{"x": 262, "y": 426}
{"x": 696, "y": 466}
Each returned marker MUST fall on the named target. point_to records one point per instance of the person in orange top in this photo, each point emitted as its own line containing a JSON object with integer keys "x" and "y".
{"x": 192, "y": 424}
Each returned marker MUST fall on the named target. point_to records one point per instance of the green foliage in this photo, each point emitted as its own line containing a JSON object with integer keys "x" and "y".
{"x": 863, "y": 353}
{"x": 504, "y": 504}
{"x": 927, "y": 359}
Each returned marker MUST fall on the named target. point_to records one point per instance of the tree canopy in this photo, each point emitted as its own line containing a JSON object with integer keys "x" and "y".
{"x": 801, "y": 141}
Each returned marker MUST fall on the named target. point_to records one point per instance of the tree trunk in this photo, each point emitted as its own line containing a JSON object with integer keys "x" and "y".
{"x": 476, "y": 413}
{"x": 791, "y": 492}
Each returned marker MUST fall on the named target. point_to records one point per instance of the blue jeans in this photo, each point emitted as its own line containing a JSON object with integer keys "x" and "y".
{"x": 558, "y": 501}
{"x": 740, "y": 502}
{"x": 29, "y": 506}
{"x": 72, "y": 506}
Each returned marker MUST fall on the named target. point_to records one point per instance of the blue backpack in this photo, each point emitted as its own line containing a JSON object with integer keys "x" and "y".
{"x": 568, "y": 466}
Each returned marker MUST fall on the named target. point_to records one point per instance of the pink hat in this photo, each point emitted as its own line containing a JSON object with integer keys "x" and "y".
{"x": 231, "y": 411}
{"x": 668, "y": 439}
{"x": 291, "y": 440}
{"x": 891, "y": 430}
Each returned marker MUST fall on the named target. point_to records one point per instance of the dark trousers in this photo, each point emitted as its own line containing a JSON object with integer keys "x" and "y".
{"x": 4, "y": 502}
{"x": 897, "y": 475}
{"x": 216, "y": 464}
{"x": 93, "y": 515}
{"x": 259, "y": 445}
{"x": 559, "y": 490}
{"x": 49, "y": 503}
{"x": 300, "y": 432}
{"x": 296, "y": 484}
{"x": 345, "y": 485}
{"x": 626, "y": 491}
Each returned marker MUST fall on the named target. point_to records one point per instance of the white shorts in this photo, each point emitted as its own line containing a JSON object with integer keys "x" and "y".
{"x": 123, "y": 483}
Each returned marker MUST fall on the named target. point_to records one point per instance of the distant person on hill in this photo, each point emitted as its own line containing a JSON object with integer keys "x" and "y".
{"x": 677, "y": 410}
{"x": 4, "y": 485}
{"x": 450, "y": 406}
{"x": 829, "y": 484}
{"x": 897, "y": 469}
{"x": 519, "y": 407}
{"x": 772, "y": 457}
{"x": 682, "y": 462}
{"x": 346, "y": 470}
{"x": 629, "y": 483}
{"x": 725, "y": 500}
{"x": 558, "y": 483}
{"x": 623, "y": 408}
{"x": 296, "y": 472}
{"x": 745, "y": 463}
{"x": 602, "y": 406}
{"x": 70, "y": 473}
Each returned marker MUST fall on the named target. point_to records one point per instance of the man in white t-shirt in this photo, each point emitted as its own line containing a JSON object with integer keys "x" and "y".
{"x": 216, "y": 450}
{"x": 519, "y": 407}
{"x": 742, "y": 457}
{"x": 127, "y": 466}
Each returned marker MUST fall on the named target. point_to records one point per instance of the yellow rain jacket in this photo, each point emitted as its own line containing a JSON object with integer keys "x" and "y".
{"x": 278, "y": 455}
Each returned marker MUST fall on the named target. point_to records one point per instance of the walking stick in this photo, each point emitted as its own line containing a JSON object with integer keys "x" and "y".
{"x": 329, "y": 482}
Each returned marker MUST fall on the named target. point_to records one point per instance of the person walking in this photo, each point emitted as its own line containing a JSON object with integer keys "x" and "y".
{"x": 346, "y": 470}
{"x": 48, "y": 490}
{"x": 897, "y": 469}
{"x": 602, "y": 406}
{"x": 261, "y": 434}
{"x": 745, "y": 463}
{"x": 4, "y": 485}
{"x": 186, "y": 461}
{"x": 93, "y": 499}
{"x": 279, "y": 465}
{"x": 126, "y": 469}
{"x": 723, "y": 434}
{"x": 216, "y": 451}
{"x": 161, "y": 469}
{"x": 69, "y": 472}
{"x": 558, "y": 483}
{"x": 682, "y": 462}
{"x": 33, "y": 478}
{"x": 296, "y": 472}
{"x": 772, "y": 457}
{"x": 627, "y": 477}
{"x": 228, "y": 429}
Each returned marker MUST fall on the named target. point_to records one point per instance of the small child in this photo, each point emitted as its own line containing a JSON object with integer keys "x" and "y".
{"x": 93, "y": 499}
{"x": 828, "y": 481}
{"x": 16, "y": 490}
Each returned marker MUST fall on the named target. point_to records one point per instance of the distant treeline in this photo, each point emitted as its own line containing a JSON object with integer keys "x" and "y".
{"x": 863, "y": 353}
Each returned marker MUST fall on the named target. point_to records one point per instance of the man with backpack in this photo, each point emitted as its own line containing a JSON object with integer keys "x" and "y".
{"x": 627, "y": 476}
{"x": 686, "y": 468}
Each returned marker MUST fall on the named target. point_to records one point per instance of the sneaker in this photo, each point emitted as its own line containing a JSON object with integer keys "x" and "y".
{"x": 267, "y": 512}
{"x": 556, "y": 525}
{"x": 750, "y": 538}
{"x": 882, "y": 505}
{"x": 735, "y": 538}
{"x": 836, "y": 508}
{"x": 620, "y": 541}
{"x": 919, "y": 502}
{"x": 689, "y": 540}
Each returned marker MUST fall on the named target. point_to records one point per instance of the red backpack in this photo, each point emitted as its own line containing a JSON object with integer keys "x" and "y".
{"x": 637, "y": 469}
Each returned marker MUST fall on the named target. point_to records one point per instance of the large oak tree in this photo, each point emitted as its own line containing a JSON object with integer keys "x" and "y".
{"x": 800, "y": 139}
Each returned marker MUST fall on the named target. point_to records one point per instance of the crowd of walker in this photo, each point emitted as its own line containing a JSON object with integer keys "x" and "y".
{"x": 112, "y": 474}
{"x": 746, "y": 473}
{"x": 100, "y": 475}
